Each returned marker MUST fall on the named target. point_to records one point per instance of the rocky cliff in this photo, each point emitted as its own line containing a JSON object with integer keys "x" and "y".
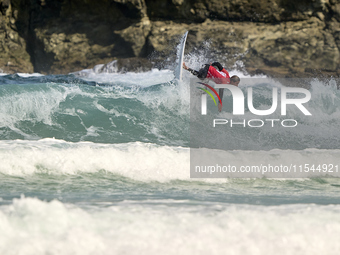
{"x": 279, "y": 37}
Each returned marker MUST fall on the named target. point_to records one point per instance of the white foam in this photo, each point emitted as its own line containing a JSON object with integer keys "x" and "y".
{"x": 30, "y": 74}
{"x": 138, "y": 161}
{"x": 30, "y": 226}
{"x": 143, "y": 79}
{"x": 134, "y": 160}
{"x": 24, "y": 74}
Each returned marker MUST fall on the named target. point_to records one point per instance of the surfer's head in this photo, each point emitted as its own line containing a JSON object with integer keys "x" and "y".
{"x": 234, "y": 80}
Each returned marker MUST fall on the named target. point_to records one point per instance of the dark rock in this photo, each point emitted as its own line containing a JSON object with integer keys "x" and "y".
{"x": 13, "y": 54}
{"x": 278, "y": 37}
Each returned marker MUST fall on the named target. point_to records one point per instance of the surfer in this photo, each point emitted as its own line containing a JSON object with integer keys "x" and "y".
{"x": 218, "y": 74}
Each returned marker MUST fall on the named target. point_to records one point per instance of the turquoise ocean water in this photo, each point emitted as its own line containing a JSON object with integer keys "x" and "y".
{"x": 99, "y": 164}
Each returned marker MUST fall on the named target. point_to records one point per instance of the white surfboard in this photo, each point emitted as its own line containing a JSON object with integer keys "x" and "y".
{"x": 180, "y": 57}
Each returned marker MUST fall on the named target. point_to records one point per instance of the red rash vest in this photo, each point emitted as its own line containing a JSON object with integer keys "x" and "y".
{"x": 220, "y": 77}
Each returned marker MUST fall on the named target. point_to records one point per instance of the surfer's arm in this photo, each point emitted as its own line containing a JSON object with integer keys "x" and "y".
{"x": 220, "y": 68}
{"x": 218, "y": 65}
{"x": 194, "y": 72}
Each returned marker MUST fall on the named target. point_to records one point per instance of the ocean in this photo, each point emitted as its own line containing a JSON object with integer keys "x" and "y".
{"x": 98, "y": 163}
